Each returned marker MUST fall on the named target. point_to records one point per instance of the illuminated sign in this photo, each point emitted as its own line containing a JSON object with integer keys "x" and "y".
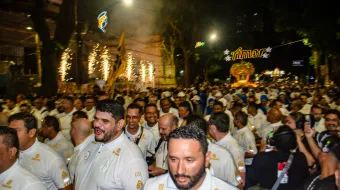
{"x": 247, "y": 54}
{"x": 298, "y": 63}
{"x": 199, "y": 44}
{"x": 102, "y": 20}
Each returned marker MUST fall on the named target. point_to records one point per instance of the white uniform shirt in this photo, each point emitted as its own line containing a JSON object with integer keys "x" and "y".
{"x": 15, "y": 110}
{"x": 172, "y": 110}
{"x": 147, "y": 143}
{"x": 90, "y": 114}
{"x": 47, "y": 164}
{"x": 18, "y": 178}
{"x": 306, "y": 109}
{"x": 257, "y": 121}
{"x": 246, "y": 139}
{"x": 78, "y": 154}
{"x": 268, "y": 128}
{"x": 320, "y": 126}
{"x": 222, "y": 164}
{"x": 40, "y": 114}
{"x": 63, "y": 146}
{"x": 162, "y": 156}
{"x": 154, "y": 130}
{"x": 117, "y": 165}
{"x": 164, "y": 182}
{"x": 65, "y": 124}
{"x": 231, "y": 144}
{"x": 53, "y": 113}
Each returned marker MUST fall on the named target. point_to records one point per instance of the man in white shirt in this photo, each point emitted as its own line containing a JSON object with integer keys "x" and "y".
{"x": 11, "y": 108}
{"x": 274, "y": 118}
{"x": 65, "y": 122}
{"x": 306, "y": 107}
{"x": 184, "y": 111}
{"x": 55, "y": 139}
{"x": 219, "y": 131}
{"x": 118, "y": 163}
{"x": 256, "y": 119}
{"x": 222, "y": 163}
{"x": 39, "y": 111}
{"x": 188, "y": 161}
{"x": 279, "y": 105}
{"x": 166, "y": 107}
{"x": 80, "y": 134}
{"x": 38, "y": 157}
{"x": 246, "y": 139}
{"x": 151, "y": 118}
{"x": 167, "y": 124}
{"x": 138, "y": 134}
{"x": 12, "y": 175}
{"x": 90, "y": 108}
{"x": 319, "y": 121}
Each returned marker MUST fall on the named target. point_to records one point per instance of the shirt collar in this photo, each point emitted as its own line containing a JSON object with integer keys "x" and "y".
{"x": 240, "y": 131}
{"x": 10, "y": 170}
{"x": 207, "y": 182}
{"x": 113, "y": 143}
{"x": 32, "y": 148}
{"x": 133, "y": 137}
{"x": 56, "y": 138}
{"x": 147, "y": 126}
{"x": 225, "y": 138}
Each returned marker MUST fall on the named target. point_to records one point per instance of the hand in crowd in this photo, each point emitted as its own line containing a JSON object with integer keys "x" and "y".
{"x": 309, "y": 131}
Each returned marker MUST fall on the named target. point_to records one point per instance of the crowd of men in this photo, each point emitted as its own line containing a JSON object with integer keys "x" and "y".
{"x": 203, "y": 137}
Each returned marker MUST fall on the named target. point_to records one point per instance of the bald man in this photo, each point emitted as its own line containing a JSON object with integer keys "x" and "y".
{"x": 274, "y": 118}
{"x": 167, "y": 124}
{"x": 3, "y": 119}
{"x": 80, "y": 134}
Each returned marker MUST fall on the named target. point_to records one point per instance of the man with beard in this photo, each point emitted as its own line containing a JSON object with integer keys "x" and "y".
{"x": 188, "y": 161}
{"x": 117, "y": 163}
{"x": 167, "y": 124}
{"x": 332, "y": 122}
{"x": 138, "y": 134}
{"x": 65, "y": 122}
{"x": 318, "y": 120}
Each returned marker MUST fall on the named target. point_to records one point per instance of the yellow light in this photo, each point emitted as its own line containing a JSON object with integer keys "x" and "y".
{"x": 143, "y": 70}
{"x": 29, "y": 28}
{"x": 105, "y": 67}
{"x": 213, "y": 36}
{"x": 151, "y": 68}
{"x": 128, "y": 2}
{"x": 92, "y": 60}
{"x": 129, "y": 66}
{"x": 65, "y": 64}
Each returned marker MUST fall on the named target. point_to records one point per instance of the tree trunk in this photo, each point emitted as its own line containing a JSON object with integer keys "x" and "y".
{"x": 317, "y": 58}
{"x": 51, "y": 49}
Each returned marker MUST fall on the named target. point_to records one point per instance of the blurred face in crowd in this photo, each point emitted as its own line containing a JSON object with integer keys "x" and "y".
{"x": 217, "y": 108}
{"x": 38, "y": 103}
{"x": 151, "y": 115}
{"x": 164, "y": 127}
{"x": 187, "y": 163}
{"x": 153, "y": 100}
{"x": 66, "y": 104}
{"x": 45, "y": 130}
{"x": 25, "y": 109}
{"x": 278, "y": 105}
{"x": 59, "y": 106}
{"x": 177, "y": 101}
{"x": 132, "y": 118}
{"x": 251, "y": 99}
{"x": 289, "y": 121}
{"x": 106, "y": 128}
{"x": 282, "y": 98}
{"x": 332, "y": 122}
{"x": 303, "y": 99}
{"x": 165, "y": 105}
{"x": 78, "y": 104}
{"x": 141, "y": 103}
{"x": 89, "y": 104}
{"x": 317, "y": 114}
{"x": 183, "y": 112}
{"x": 10, "y": 104}
{"x": 213, "y": 92}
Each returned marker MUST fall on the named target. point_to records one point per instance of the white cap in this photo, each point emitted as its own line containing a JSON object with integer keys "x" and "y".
{"x": 218, "y": 94}
{"x": 224, "y": 101}
{"x": 166, "y": 94}
{"x": 194, "y": 92}
{"x": 181, "y": 94}
{"x": 197, "y": 98}
{"x": 143, "y": 90}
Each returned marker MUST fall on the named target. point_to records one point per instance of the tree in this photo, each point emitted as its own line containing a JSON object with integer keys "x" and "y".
{"x": 52, "y": 48}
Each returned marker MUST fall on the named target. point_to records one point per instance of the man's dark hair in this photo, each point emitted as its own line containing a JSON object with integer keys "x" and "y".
{"x": 285, "y": 139}
{"x": 237, "y": 107}
{"x": 121, "y": 100}
{"x": 135, "y": 106}
{"x": 221, "y": 121}
{"x": 139, "y": 100}
{"x": 89, "y": 97}
{"x": 10, "y": 138}
{"x": 276, "y": 101}
{"x": 316, "y": 107}
{"x": 150, "y": 105}
{"x": 165, "y": 99}
{"x": 30, "y": 122}
{"x": 218, "y": 103}
{"x": 333, "y": 111}
{"x": 186, "y": 105}
{"x": 303, "y": 94}
{"x": 252, "y": 105}
{"x": 242, "y": 117}
{"x": 190, "y": 132}
{"x": 80, "y": 114}
{"x": 198, "y": 121}
{"x": 50, "y": 104}
{"x": 69, "y": 98}
{"x": 113, "y": 107}
{"x": 25, "y": 105}
{"x": 52, "y": 121}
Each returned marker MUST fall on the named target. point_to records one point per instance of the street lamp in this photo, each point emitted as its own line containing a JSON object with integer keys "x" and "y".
{"x": 128, "y": 2}
{"x": 213, "y": 36}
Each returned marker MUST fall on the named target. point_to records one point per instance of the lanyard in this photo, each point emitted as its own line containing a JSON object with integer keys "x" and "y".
{"x": 312, "y": 185}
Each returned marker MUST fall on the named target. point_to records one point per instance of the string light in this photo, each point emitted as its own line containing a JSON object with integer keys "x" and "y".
{"x": 65, "y": 64}
{"x": 105, "y": 67}
{"x": 151, "y": 68}
{"x": 129, "y": 66}
{"x": 92, "y": 60}
{"x": 143, "y": 70}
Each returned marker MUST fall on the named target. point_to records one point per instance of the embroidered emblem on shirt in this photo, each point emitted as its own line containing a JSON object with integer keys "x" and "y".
{"x": 8, "y": 184}
{"x": 37, "y": 157}
{"x": 142, "y": 136}
{"x": 137, "y": 174}
{"x": 161, "y": 187}
{"x": 94, "y": 142}
{"x": 87, "y": 155}
{"x": 104, "y": 165}
{"x": 55, "y": 146}
{"x": 116, "y": 152}
{"x": 61, "y": 166}
{"x": 139, "y": 184}
{"x": 64, "y": 175}
{"x": 214, "y": 157}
